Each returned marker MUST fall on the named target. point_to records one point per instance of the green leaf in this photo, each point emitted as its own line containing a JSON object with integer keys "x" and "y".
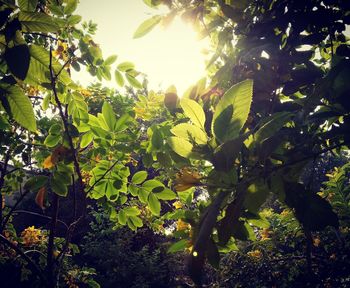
{"x": 240, "y": 97}
{"x": 112, "y": 193}
{"x": 133, "y": 81}
{"x": 52, "y": 140}
{"x": 139, "y": 177}
{"x": 71, "y": 6}
{"x": 131, "y": 211}
{"x": 39, "y": 67}
{"x": 136, "y": 221}
{"x": 194, "y": 111}
{"x": 119, "y": 78}
{"x": 27, "y": 5}
{"x": 190, "y": 132}
{"x": 59, "y": 187}
{"x": 109, "y": 115}
{"x": 122, "y": 123}
{"x": 178, "y": 246}
{"x": 122, "y": 217}
{"x": 55, "y": 129}
{"x": 35, "y": 183}
{"x": 165, "y": 194}
{"x": 86, "y": 139}
{"x": 157, "y": 139}
{"x": 143, "y": 195}
{"x": 151, "y": 184}
{"x": 126, "y": 66}
{"x": 154, "y": 204}
{"x": 21, "y": 108}
{"x": 180, "y": 146}
{"x": 37, "y": 22}
{"x": 133, "y": 190}
{"x": 17, "y": 59}
{"x": 73, "y": 20}
{"x": 110, "y": 60}
{"x": 146, "y": 26}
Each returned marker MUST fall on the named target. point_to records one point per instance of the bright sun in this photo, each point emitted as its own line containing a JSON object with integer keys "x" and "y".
{"x": 170, "y": 56}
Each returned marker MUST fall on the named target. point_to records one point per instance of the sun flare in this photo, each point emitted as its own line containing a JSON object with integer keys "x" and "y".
{"x": 169, "y": 55}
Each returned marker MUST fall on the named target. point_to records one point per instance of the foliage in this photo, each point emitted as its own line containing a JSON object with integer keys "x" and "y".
{"x": 275, "y": 99}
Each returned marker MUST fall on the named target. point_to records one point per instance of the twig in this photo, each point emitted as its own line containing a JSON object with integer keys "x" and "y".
{"x": 102, "y": 177}
{"x": 40, "y": 215}
{"x": 2, "y": 181}
{"x": 41, "y": 34}
{"x": 50, "y": 246}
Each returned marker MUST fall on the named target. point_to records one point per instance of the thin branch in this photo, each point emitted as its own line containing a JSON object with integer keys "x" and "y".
{"x": 102, "y": 177}
{"x": 41, "y": 34}
{"x": 313, "y": 155}
{"x": 50, "y": 246}
{"x": 2, "y": 180}
{"x": 39, "y": 215}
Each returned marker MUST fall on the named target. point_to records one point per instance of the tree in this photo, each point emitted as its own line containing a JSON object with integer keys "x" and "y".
{"x": 276, "y": 99}
{"x": 249, "y": 141}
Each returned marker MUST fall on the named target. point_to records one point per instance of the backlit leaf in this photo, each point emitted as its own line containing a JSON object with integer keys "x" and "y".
{"x": 139, "y": 177}
{"x": 180, "y": 146}
{"x": 154, "y": 204}
{"x": 194, "y": 111}
{"x": 146, "y": 26}
{"x": 37, "y": 22}
{"x": 240, "y": 97}
{"x": 109, "y": 115}
{"x": 190, "y": 132}
{"x": 21, "y": 108}
{"x": 27, "y": 5}
{"x": 119, "y": 78}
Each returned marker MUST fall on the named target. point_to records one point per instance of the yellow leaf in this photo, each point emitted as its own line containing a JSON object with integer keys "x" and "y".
{"x": 48, "y": 163}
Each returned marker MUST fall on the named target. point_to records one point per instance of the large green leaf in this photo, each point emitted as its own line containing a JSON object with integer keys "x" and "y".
{"x": 180, "y": 146}
{"x": 17, "y": 59}
{"x": 146, "y": 26}
{"x": 166, "y": 194}
{"x": 236, "y": 101}
{"x": 126, "y": 66}
{"x": 139, "y": 177}
{"x": 109, "y": 115}
{"x": 194, "y": 111}
{"x": 154, "y": 204}
{"x": 71, "y": 6}
{"x": 39, "y": 67}
{"x": 119, "y": 78}
{"x": 37, "y": 22}
{"x": 21, "y": 108}
{"x": 133, "y": 81}
{"x": 178, "y": 246}
{"x": 190, "y": 132}
{"x": 59, "y": 187}
{"x": 27, "y": 5}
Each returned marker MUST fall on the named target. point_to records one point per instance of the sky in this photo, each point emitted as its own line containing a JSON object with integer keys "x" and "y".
{"x": 171, "y": 56}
